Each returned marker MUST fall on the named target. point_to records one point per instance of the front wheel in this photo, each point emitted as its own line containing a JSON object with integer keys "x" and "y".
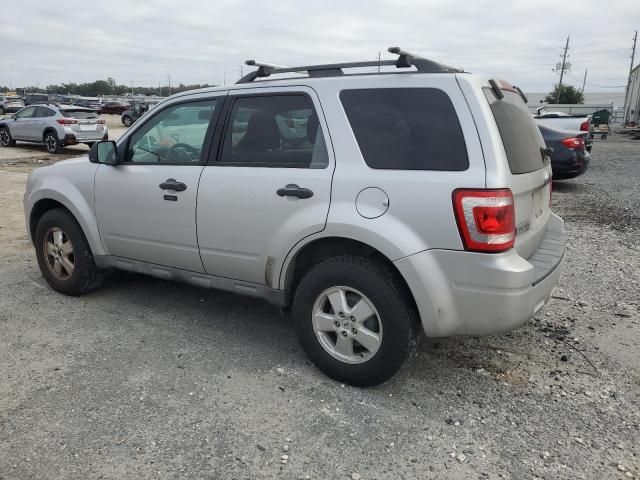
{"x": 355, "y": 320}
{"x": 6, "y": 140}
{"x": 64, "y": 256}
{"x": 126, "y": 121}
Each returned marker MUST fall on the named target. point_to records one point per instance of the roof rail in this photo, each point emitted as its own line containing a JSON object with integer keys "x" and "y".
{"x": 405, "y": 60}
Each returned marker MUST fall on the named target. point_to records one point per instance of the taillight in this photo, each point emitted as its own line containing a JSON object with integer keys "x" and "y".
{"x": 584, "y": 126}
{"x": 66, "y": 121}
{"x": 573, "y": 142}
{"x": 486, "y": 219}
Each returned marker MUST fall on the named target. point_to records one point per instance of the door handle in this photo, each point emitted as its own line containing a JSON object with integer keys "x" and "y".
{"x": 293, "y": 190}
{"x": 173, "y": 184}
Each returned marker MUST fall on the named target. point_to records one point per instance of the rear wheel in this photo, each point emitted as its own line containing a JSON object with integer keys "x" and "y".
{"x": 51, "y": 142}
{"x": 355, "y": 320}
{"x": 126, "y": 121}
{"x": 6, "y": 140}
{"x": 64, "y": 256}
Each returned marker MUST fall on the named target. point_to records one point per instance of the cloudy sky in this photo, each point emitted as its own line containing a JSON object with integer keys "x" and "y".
{"x": 143, "y": 41}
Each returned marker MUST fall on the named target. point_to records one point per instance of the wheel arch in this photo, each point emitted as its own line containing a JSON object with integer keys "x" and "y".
{"x": 321, "y": 249}
{"x": 77, "y": 207}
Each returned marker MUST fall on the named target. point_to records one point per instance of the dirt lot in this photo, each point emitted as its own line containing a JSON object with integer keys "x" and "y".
{"x": 150, "y": 379}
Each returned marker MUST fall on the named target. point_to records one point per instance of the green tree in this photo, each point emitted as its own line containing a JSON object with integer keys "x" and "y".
{"x": 568, "y": 95}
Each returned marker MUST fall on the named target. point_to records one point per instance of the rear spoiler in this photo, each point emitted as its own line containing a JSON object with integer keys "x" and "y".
{"x": 498, "y": 85}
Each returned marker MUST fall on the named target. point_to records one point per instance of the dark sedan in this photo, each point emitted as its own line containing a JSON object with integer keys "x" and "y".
{"x": 114, "y": 108}
{"x": 570, "y": 158}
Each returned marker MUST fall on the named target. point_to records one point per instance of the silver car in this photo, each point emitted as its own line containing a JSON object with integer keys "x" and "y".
{"x": 56, "y": 126}
{"x": 10, "y": 104}
{"x": 417, "y": 201}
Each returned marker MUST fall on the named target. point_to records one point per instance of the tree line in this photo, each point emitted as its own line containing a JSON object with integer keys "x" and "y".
{"x": 102, "y": 88}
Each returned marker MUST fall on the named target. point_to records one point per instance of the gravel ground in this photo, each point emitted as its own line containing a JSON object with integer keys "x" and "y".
{"x": 150, "y": 379}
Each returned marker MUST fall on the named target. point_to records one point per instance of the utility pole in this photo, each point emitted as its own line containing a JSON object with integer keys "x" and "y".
{"x": 169, "y": 81}
{"x": 379, "y": 55}
{"x": 564, "y": 61}
{"x": 224, "y": 77}
{"x": 584, "y": 81}
{"x": 626, "y": 94}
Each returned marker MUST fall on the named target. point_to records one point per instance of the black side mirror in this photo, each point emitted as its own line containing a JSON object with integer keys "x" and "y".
{"x": 104, "y": 152}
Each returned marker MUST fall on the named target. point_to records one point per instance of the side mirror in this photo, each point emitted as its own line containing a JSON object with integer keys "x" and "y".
{"x": 14, "y": 117}
{"x": 104, "y": 152}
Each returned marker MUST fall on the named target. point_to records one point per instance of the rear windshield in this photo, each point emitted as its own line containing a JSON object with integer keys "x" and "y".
{"x": 521, "y": 137}
{"x": 406, "y": 128}
{"x": 79, "y": 114}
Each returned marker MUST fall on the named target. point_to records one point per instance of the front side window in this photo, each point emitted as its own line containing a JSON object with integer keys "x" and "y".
{"x": 26, "y": 112}
{"x": 406, "y": 128}
{"x": 175, "y": 135}
{"x": 279, "y": 131}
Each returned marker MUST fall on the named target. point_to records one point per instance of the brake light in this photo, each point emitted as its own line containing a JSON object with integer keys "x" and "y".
{"x": 66, "y": 121}
{"x": 573, "y": 142}
{"x": 486, "y": 219}
{"x": 584, "y": 126}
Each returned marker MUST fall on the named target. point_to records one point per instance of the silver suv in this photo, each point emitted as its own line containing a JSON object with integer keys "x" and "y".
{"x": 370, "y": 207}
{"x": 56, "y": 126}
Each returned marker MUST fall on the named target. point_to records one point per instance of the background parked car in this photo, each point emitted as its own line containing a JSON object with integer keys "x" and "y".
{"x": 54, "y": 125}
{"x": 565, "y": 122}
{"x": 570, "y": 158}
{"x": 36, "y": 98}
{"x": 135, "y": 112}
{"x": 114, "y": 108}
{"x": 91, "y": 104}
{"x": 10, "y": 104}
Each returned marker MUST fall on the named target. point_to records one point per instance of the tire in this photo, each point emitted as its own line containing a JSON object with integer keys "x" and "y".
{"x": 2, "y": 112}
{"x": 51, "y": 142}
{"x": 126, "y": 121}
{"x": 6, "y": 140}
{"x": 84, "y": 276}
{"x": 393, "y": 320}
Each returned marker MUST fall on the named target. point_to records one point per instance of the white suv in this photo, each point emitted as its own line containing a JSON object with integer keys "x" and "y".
{"x": 372, "y": 206}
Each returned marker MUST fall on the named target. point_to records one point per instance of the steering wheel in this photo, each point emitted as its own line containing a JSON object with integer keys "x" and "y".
{"x": 182, "y": 152}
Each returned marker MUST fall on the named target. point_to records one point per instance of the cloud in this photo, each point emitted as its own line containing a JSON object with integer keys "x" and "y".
{"x": 198, "y": 42}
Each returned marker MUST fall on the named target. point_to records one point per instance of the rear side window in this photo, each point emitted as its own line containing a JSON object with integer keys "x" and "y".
{"x": 520, "y": 135}
{"x": 406, "y": 128}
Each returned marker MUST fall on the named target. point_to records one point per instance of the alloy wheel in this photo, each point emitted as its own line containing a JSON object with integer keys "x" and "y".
{"x": 51, "y": 142}
{"x": 58, "y": 253}
{"x": 347, "y": 325}
{"x": 4, "y": 137}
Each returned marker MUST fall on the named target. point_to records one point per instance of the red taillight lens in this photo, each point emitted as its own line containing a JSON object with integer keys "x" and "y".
{"x": 584, "y": 126}
{"x": 486, "y": 219}
{"x": 573, "y": 143}
{"x": 66, "y": 121}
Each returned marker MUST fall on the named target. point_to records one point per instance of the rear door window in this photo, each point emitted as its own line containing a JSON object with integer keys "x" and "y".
{"x": 522, "y": 140}
{"x": 279, "y": 131}
{"x": 406, "y": 128}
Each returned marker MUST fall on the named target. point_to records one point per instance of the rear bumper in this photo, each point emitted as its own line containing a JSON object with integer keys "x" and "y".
{"x": 460, "y": 292}
{"x": 570, "y": 166}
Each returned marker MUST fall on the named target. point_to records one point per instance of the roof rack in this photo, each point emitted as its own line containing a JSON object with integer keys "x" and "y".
{"x": 405, "y": 60}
